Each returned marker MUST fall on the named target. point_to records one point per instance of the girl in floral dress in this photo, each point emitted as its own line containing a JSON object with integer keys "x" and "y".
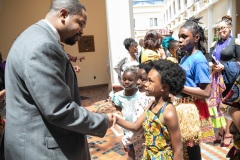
{"x": 124, "y": 101}
{"x": 160, "y": 121}
{"x": 139, "y": 107}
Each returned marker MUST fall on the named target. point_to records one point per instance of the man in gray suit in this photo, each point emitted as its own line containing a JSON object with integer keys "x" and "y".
{"x": 44, "y": 118}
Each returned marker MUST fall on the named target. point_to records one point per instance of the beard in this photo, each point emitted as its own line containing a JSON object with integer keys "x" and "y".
{"x": 70, "y": 41}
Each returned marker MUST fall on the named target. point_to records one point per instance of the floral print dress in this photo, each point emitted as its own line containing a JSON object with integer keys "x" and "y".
{"x": 158, "y": 144}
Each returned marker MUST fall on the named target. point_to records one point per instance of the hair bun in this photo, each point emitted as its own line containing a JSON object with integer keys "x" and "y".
{"x": 227, "y": 17}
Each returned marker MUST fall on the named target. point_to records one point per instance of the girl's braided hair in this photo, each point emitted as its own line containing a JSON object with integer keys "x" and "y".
{"x": 133, "y": 69}
{"x": 193, "y": 25}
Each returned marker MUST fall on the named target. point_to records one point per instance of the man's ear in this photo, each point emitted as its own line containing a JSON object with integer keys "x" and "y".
{"x": 197, "y": 37}
{"x": 63, "y": 14}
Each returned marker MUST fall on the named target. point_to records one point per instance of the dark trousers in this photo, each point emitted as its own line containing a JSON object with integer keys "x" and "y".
{"x": 194, "y": 153}
{"x": 2, "y": 149}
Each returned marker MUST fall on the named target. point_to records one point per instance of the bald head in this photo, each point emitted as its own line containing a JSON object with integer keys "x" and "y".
{"x": 69, "y": 18}
{"x": 73, "y": 7}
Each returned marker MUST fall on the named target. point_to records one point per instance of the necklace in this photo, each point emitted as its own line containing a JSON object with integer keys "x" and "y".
{"x": 221, "y": 45}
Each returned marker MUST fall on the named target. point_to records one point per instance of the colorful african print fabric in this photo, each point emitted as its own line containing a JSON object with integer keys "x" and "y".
{"x": 218, "y": 86}
{"x": 157, "y": 138}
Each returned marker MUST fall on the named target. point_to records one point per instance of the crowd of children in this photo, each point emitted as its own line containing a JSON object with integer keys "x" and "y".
{"x": 159, "y": 97}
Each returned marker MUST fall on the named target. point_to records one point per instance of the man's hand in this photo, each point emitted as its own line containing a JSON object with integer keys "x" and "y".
{"x": 76, "y": 69}
{"x": 110, "y": 117}
{"x": 2, "y": 95}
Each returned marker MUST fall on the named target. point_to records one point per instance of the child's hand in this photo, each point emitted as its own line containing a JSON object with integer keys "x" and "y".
{"x": 114, "y": 119}
{"x": 111, "y": 120}
{"x": 81, "y": 58}
{"x": 117, "y": 107}
{"x": 218, "y": 67}
{"x": 110, "y": 100}
{"x": 124, "y": 148}
{"x": 149, "y": 104}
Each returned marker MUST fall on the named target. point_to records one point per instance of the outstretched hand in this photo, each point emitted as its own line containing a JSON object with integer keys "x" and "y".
{"x": 76, "y": 69}
{"x": 111, "y": 120}
{"x": 125, "y": 149}
{"x": 114, "y": 119}
{"x": 2, "y": 95}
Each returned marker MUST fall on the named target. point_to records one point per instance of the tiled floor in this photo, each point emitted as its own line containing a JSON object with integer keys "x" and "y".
{"x": 109, "y": 147}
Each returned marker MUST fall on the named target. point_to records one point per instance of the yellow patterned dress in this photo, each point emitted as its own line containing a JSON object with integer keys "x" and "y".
{"x": 157, "y": 138}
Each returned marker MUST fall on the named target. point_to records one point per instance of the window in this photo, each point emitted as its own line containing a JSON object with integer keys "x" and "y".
{"x": 151, "y": 22}
{"x": 174, "y": 8}
{"x": 155, "y": 22}
{"x": 167, "y": 16}
{"x": 170, "y": 12}
{"x": 179, "y": 5}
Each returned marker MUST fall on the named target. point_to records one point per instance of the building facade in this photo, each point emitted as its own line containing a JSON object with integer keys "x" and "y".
{"x": 147, "y": 14}
{"x": 110, "y": 23}
{"x": 176, "y": 11}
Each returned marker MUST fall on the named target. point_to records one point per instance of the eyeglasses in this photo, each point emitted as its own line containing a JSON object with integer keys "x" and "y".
{"x": 222, "y": 28}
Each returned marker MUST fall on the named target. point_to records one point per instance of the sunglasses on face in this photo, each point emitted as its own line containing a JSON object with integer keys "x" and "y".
{"x": 223, "y": 28}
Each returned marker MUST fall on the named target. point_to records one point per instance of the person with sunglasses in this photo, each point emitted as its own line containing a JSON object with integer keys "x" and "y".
{"x": 227, "y": 53}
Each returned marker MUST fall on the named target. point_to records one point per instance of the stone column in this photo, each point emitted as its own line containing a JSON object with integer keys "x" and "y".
{"x": 119, "y": 26}
{"x": 210, "y": 29}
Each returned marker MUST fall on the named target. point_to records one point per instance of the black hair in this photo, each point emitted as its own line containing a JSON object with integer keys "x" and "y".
{"x": 171, "y": 44}
{"x": 147, "y": 66}
{"x": 131, "y": 69}
{"x": 171, "y": 74}
{"x": 193, "y": 25}
{"x": 74, "y": 7}
{"x": 180, "y": 55}
{"x": 152, "y": 40}
{"x": 128, "y": 42}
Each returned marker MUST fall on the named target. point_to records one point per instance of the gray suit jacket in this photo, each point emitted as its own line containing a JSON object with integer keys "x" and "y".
{"x": 44, "y": 118}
